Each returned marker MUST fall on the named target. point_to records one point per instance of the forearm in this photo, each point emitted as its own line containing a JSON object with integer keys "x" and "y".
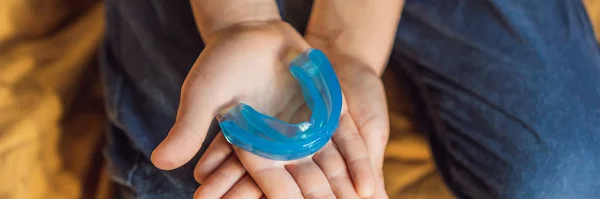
{"x": 215, "y": 15}
{"x": 362, "y": 29}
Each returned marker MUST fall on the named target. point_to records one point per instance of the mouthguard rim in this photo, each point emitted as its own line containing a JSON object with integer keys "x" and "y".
{"x": 281, "y": 147}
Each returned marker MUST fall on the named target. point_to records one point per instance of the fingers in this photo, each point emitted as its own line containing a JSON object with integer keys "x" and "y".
{"x": 219, "y": 158}
{"x": 245, "y": 188}
{"x": 380, "y": 192}
{"x": 271, "y": 176}
{"x": 223, "y": 179}
{"x": 310, "y": 179}
{"x": 332, "y": 164}
{"x": 354, "y": 151}
{"x": 218, "y": 151}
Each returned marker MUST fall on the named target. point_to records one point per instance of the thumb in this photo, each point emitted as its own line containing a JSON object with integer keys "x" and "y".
{"x": 368, "y": 107}
{"x": 197, "y": 108}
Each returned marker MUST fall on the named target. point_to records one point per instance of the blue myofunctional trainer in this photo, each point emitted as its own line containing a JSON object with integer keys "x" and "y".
{"x": 272, "y": 138}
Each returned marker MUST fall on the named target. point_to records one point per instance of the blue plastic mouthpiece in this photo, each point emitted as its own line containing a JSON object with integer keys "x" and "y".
{"x": 272, "y": 138}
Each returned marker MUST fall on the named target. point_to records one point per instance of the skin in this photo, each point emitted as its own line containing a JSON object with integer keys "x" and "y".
{"x": 236, "y": 33}
{"x": 357, "y": 36}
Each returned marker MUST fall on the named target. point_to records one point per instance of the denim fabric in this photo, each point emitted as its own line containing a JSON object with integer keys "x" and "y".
{"x": 510, "y": 90}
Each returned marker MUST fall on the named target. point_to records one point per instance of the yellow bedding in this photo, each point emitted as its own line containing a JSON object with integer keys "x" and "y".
{"x": 45, "y": 50}
{"x": 51, "y": 122}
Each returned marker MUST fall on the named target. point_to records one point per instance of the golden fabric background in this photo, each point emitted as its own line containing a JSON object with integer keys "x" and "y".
{"x": 51, "y": 119}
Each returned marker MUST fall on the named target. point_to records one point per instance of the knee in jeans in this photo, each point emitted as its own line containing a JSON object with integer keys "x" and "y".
{"x": 567, "y": 173}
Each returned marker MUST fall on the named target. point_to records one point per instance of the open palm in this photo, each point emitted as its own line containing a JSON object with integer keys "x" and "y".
{"x": 248, "y": 63}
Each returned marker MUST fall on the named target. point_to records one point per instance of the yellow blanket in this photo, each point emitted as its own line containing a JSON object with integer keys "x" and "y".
{"x": 45, "y": 50}
{"x": 51, "y": 122}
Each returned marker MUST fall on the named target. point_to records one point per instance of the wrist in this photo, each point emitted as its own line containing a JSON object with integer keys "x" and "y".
{"x": 275, "y": 31}
{"x": 214, "y": 16}
{"x": 363, "y": 30}
{"x": 342, "y": 57}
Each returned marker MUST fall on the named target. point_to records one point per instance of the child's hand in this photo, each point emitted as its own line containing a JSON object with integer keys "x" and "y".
{"x": 248, "y": 63}
{"x": 367, "y": 106}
